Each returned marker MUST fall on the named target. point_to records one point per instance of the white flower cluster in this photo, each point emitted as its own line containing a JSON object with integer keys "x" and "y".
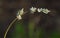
{"x": 20, "y": 13}
{"x": 33, "y": 9}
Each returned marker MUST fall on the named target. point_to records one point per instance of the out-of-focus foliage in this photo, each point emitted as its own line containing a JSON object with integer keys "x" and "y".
{"x": 19, "y": 31}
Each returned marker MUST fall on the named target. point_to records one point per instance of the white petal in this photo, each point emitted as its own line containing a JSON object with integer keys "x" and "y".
{"x": 39, "y": 10}
{"x": 20, "y": 12}
{"x": 46, "y": 11}
{"x": 19, "y": 17}
{"x": 33, "y": 9}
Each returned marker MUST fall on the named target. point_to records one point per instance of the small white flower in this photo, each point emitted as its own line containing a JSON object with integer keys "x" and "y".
{"x": 33, "y": 9}
{"x": 39, "y": 10}
{"x": 20, "y": 13}
{"x": 46, "y": 11}
{"x": 19, "y": 17}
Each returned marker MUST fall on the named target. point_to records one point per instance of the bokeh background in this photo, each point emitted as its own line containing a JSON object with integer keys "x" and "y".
{"x": 40, "y": 25}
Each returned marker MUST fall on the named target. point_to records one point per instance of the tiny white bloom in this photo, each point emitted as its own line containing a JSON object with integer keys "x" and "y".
{"x": 20, "y": 13}
{"x": 39, "y": 10}
{"x": 33, "y": 9}
{"x": 19, "y": 17}
{"x": 46, "y": 11}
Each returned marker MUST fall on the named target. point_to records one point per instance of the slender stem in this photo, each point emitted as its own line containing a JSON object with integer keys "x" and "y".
{"x": 9, "y": 27}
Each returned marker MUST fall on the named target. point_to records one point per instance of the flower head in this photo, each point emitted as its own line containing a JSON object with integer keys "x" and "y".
{"x": 39, "y": 10}
{"x": 19, "y": 17}
{"x": 46, "y": 11}
{"x": 33, "y": 9}
{"x": 20, "y": 13}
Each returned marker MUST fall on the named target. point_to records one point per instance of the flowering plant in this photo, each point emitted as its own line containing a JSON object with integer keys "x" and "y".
{"x": 19, "y": 17}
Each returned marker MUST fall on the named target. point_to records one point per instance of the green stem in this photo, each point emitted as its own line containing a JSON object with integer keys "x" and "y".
{"x": 9, "y": 27}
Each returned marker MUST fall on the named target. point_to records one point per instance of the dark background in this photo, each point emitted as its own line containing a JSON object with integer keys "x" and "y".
{"x": 8, "y": 10}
